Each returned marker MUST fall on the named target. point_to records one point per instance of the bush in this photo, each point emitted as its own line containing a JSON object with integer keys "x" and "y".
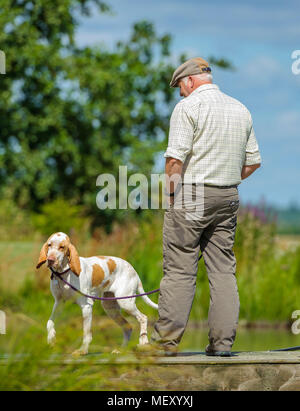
{"x": 60, "y": 215}
{"x": 15, "y": 222}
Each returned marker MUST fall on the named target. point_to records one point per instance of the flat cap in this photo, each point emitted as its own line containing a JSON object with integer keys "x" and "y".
{"x": 190, "y": 68}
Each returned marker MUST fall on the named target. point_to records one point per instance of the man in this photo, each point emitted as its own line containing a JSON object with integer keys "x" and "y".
{"x": 212, "y": 141}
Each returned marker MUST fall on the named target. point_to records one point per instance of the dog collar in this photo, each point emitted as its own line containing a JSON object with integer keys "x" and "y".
{"x": 56, "y": 273}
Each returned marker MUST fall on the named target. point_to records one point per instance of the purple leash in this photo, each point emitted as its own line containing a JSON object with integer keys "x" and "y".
{"x": 59, "y": 275}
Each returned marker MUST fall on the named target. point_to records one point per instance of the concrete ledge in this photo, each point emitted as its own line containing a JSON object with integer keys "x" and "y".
{"x": 245, "y": 371}
{"x": 259, "y": 357}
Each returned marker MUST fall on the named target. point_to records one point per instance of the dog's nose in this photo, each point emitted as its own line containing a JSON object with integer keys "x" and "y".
{"x": 51, "y": 260}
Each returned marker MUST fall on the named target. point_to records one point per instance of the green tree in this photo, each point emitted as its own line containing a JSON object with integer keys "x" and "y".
{"x": 69, "y": 114}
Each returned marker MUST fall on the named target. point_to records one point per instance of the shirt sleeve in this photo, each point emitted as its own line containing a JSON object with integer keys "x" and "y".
{"x": 252, "y": 150}
{"x": 181, "y": 134}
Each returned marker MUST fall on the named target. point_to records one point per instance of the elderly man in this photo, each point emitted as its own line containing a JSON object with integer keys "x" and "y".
{"x": 212, "y": 141}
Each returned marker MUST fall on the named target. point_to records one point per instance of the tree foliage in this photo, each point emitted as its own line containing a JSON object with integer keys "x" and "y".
{"x": 69, "y": 114}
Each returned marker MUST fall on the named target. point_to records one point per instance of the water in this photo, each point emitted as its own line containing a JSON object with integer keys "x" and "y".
{"x": 259, "y": 339}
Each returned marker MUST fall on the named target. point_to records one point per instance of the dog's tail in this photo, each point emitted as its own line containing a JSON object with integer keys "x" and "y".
{"x": 145, "y": 297}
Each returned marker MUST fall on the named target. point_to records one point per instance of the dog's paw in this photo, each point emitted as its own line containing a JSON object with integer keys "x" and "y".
{"x": 79, "y": 353}
{"x": 143, "y": 340}
{"x": 116, "y": 351}
{"x": 51, "y": 340}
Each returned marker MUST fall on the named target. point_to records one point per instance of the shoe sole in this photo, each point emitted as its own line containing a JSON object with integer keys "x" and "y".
{"x": 219, "y": 354}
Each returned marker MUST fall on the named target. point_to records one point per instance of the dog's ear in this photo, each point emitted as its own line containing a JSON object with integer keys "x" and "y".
{"x": 74, "y": 261}
{"x": 43, "y": 255}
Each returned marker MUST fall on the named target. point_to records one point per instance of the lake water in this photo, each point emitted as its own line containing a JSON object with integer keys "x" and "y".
{"x": 247, "y": 339}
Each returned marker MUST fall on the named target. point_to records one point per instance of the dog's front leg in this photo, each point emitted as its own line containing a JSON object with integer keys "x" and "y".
{"x": 50, "y": 325}
{"x": 87, "y": 313}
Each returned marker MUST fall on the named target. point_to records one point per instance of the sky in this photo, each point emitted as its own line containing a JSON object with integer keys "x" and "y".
{"x": 258, "y": 38}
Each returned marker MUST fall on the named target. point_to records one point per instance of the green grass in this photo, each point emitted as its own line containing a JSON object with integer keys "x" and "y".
{"x": 268, "y": 279}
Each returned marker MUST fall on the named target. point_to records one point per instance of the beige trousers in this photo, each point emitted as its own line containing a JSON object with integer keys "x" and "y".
{"x": 213, "y": 234}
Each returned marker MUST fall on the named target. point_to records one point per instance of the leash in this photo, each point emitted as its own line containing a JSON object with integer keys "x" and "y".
{"x": 287, "y": 349}
{"x": 59, "y": 275}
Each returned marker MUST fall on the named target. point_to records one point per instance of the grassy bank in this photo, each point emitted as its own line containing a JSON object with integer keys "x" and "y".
{"x": 268, "y": 269}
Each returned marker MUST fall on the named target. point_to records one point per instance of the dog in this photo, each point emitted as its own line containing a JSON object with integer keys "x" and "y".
{"x": 93, "y": 276}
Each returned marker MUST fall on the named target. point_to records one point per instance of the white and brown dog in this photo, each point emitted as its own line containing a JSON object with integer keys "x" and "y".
{"x": 93, "y": 276}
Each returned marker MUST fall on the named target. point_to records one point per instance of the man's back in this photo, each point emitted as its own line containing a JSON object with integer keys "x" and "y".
{"x": 212, "y": 134}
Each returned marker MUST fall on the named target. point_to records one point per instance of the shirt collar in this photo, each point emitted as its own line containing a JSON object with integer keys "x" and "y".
{"x": 205, "y": 87}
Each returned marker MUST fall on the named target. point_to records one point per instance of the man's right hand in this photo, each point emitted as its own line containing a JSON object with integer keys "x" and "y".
{"x": 248, "y": 170}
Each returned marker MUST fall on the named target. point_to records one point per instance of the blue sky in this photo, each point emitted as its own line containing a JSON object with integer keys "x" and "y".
{"x": 258, "y": 37}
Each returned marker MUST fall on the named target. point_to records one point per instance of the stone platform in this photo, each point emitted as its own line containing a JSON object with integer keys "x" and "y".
{"x": 244, "y": 371}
